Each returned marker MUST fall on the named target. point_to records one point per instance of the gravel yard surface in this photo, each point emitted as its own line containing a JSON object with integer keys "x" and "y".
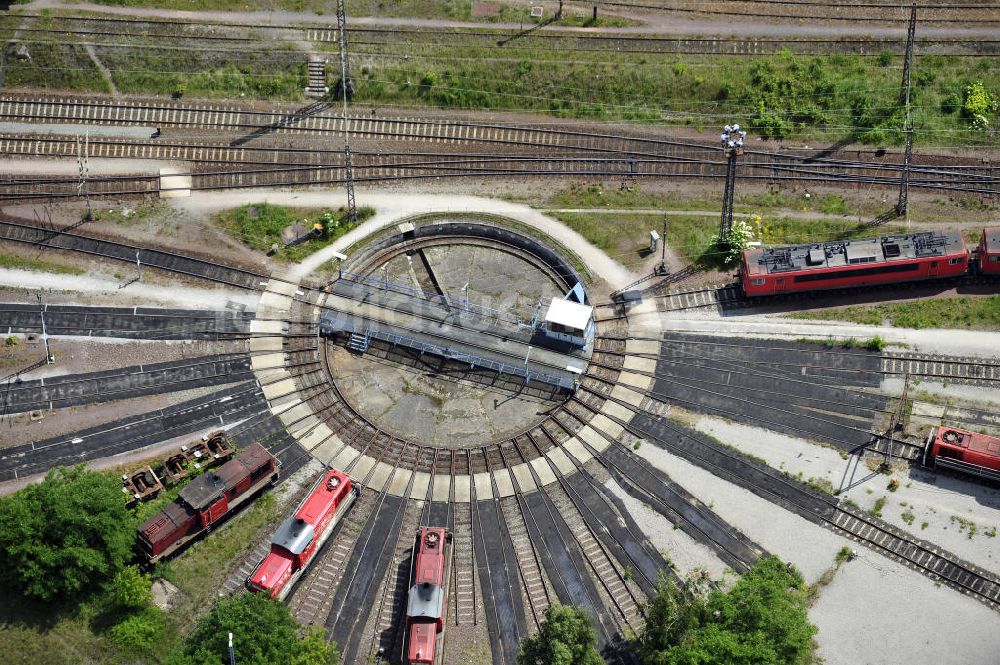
{"x": 961, "y": 516}
{"x": 127, "y": 460}
{"x": 877, "y": 612}
{"x": 80, "y": 355}
{"x": 811, "y": 548}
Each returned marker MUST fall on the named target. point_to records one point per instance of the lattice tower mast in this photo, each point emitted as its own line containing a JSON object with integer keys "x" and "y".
{"x": 352, "y": 209}
{"x": 904, "y": 101}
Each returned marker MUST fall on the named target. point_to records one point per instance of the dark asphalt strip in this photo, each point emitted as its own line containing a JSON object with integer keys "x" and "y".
{"x": 565, "y": 564}
{"x": 362, "y": 576}
{"x": 680, "y": 507}
{"x": 498, "y": 581}
{"x": 124, "y": 383}
{"x": 836, "y": 365}
{"x": 126, "y": 322}
{"x": 215, "y": 410}
{"x": 618, "y": 532}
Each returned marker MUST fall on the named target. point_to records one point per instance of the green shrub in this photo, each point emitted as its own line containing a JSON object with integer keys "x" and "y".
{"x": 140, "y": 633}
{"x": 66, "y": 536}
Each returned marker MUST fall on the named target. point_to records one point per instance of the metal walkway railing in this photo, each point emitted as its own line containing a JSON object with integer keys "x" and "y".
{"x": 473, "y": 360}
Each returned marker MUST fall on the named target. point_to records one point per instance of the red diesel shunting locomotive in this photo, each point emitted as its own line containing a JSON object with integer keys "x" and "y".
{"x": 206, "y": 500}
{"x": 968, "y": 452}
{"x": 989, "y": 252}
{"x": 302, "y": 535}
{"x": 426, "y": 601}
{"x": 846, "y": 263}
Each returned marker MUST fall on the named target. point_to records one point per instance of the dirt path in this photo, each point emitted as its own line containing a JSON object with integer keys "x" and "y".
{"x": 393, "y": 206}
{"x": 661, "y": 24}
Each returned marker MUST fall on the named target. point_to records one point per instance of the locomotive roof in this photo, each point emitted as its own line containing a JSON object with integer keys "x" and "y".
{"x": 294, "y": 535}
{"x": 842, "y": 253}
{"x": 322, "y": 499}
{"x": 980, "y": 443}
{"x": 992, "y": 239}
{"x": 206, "y": 489}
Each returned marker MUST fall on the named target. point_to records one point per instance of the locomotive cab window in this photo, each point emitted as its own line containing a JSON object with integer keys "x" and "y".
{"x": 759, "y": 281}
{"x": 995, "y": 259}
{"x": 954, "y": 262}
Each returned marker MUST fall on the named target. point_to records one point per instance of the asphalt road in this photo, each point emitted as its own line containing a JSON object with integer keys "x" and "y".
{"x": 128, "y": 322}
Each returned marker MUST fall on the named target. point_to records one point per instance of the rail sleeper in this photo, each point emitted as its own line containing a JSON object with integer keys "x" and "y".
{"x": 531, "y": 575}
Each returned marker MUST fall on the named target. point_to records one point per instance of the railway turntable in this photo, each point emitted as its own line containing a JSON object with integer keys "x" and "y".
{"x": 554, "y": 352}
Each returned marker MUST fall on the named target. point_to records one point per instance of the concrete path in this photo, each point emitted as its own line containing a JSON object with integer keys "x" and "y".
{"x": 162, "y": 295}
{"x": 950, "y": 342}
{"x": 393, "y": 207}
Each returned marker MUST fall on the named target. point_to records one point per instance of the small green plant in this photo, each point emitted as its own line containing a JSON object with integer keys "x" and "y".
{"x": 730, "y": 247}
{"x": 908, "y": 517}
{"x": 635, "y": 446}
{"x": 10, "y": 341}
{"x": 979, "y": 105}
{"x": 893, "y": 485}
{"x": 875, "y": 343}
{"x": 991, "y": 532}
{"x": 844, "y": 554}
{"x": 876, "y": 510}
{"x": 924, "y": 525}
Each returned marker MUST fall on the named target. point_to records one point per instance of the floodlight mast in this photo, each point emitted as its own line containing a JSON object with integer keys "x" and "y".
{"x": 732, "y": 142}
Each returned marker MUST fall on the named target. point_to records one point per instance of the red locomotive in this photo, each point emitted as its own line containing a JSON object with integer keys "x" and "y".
{"x": 989, "y": 252}
{"x": 302, "y": 535}
{"x": 426, "y": 601}
{"x": 206, "y": 500}
{"x": 846, "y": 263}
{"x": 968, "y": 452}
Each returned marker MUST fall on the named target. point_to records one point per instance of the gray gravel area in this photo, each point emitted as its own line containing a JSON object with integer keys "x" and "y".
{"x": 959, "y": 515}
{"x": 92, "y": 354}
{"x": 877, "y": 612}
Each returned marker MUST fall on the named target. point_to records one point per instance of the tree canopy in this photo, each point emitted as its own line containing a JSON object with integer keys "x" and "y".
{"x": 762, "y": 620}
{"x": 566, "y": 637}
{"x": 264, "y": 633}
{"x": 65, "y": 536}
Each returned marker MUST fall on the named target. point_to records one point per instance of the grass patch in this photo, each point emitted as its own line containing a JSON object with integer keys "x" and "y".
{"x": 821, "y": 485}
{"x": 36, "y": 265}
{"x": 908, "y": 516}
{"x": 955, "y": 312}
{"x": 200, "y": 569}
{"x": 260, "y": 225}
{"x": 876, "y": 510}
{"x": 964, "y": 525}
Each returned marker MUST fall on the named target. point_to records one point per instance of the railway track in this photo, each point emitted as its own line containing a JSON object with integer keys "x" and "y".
{"x": 613, "y": 155}
{"x": 732, "y": 465}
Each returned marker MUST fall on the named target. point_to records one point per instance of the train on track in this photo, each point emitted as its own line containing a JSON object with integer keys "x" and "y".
{"x": 207, "y": 500}
{"x": 302, "y": 535}
{"x": 427, "y": 599}
{"x": 871, "y": 261}
{"x": 966, "y": 452}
